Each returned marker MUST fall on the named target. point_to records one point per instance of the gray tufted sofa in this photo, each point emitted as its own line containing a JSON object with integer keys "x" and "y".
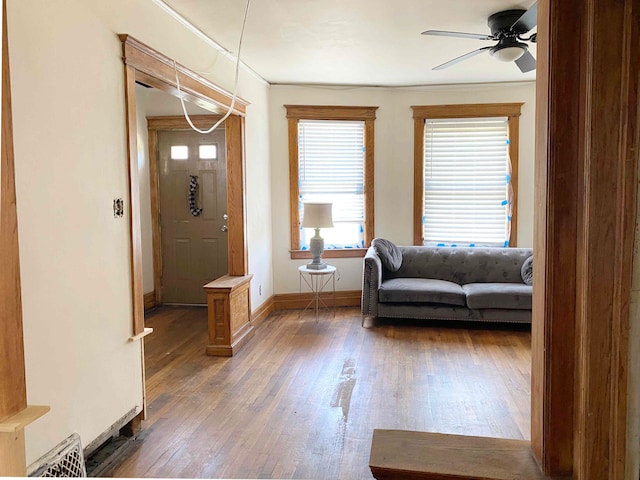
{"x": 442, "y": 283}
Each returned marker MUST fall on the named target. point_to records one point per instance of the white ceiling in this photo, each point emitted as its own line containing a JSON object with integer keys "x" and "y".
{"x": 356, "y": 42}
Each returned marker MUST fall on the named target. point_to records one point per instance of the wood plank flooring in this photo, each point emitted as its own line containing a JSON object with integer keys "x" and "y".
{"x": 301, "y": 399}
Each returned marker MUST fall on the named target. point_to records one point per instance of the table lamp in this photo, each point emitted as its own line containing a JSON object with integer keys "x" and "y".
{"x": 317, "y": 215}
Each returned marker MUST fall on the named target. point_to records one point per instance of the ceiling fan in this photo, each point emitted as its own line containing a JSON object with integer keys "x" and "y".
{"x": 508, "y": 29}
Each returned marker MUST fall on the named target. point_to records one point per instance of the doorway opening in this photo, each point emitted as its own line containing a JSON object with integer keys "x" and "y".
{"x": 192, "y": 213}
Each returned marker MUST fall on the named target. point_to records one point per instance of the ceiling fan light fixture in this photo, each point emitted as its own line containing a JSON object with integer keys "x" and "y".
{"x": 509, "y": 53}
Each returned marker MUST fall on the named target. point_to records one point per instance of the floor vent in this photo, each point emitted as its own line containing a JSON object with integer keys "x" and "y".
{"x": 65, "y": 460}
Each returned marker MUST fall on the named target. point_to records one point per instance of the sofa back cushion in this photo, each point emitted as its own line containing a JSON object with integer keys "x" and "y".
{"x": 462, "y": 265}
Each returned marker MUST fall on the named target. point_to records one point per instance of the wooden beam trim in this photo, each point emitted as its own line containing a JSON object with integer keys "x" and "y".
{"x": 141, "y": 335}
{"x": 628, "y": 176}
{"x": 261, "y": 313}
{"x": 468, "y": 110}
{"x": 13, "y": 394}
{"x": 418, "y": 180}
{"x": 236, "y": 204}
{"x": 514, "y": 151}
{"x": 558, "y": 200}
{"x": 23, "y": 418}
{"x": 151, "y": 62}
{"x": 293, "y": 301}
{"x": 137, "y": 291}
{"x": 156, "y": 228}
{"x": 369, "y": 181}
{"x": 605, "y": 253}
{"x": 174, "y": 122}
{"x": 330, "y": 112}
{"x": 294, "y": 192}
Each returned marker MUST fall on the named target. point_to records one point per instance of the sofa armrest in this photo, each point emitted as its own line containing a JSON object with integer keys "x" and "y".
{"x": 371, "y": 280}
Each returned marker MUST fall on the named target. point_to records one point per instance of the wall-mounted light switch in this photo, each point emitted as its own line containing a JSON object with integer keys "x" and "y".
{"x": 118, "y": 208}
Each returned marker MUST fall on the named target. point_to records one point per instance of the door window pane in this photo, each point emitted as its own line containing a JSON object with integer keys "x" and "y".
{"x": 208, "y": 152}
{"x": 179, "y": 152}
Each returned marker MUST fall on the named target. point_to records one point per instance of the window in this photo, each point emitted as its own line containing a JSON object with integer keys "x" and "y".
{"x": 466, "y": 167}
{"x": 331, "y": 160}
{"x": 208, "y": 152}
{"x": 179, "y": 152}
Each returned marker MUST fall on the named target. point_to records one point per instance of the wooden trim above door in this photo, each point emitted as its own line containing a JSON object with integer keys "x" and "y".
{"x": 159, "y": 71}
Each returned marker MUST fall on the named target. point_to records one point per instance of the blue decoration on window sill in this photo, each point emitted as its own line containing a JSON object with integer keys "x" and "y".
{"x": 504, "y": 203}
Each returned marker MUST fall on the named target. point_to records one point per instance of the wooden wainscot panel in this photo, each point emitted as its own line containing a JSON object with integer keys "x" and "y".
{"x": 229, "y": 314}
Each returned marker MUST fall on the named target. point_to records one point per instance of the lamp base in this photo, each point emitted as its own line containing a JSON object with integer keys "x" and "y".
{"x": 316, "y": 266}
{"x": 316, "y": 245}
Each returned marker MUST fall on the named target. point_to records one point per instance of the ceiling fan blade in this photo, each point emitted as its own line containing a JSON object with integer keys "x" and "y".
{"x": 442, "y": 33}
{"x": 527, "y": 21}
{"x": 461, "y": 58}
{"x": 526, "y": 62}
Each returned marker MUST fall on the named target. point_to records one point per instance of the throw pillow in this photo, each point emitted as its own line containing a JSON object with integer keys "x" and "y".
{"x": 527, "y": 271}
{"x": 389, "y": 253}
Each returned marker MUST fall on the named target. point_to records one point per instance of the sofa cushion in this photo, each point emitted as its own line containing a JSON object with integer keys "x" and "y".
{"x": 389, "y": 253}
{"x": 421, "y": 290}
{"x": 527, "y": 271}
{"x": 498, "y": 295}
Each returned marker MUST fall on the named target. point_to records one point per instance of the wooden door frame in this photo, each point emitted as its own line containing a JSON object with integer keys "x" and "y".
{"x": 233, "y": 144}
{"x": 585, "y": 216}
{"x": 148, "y": 66}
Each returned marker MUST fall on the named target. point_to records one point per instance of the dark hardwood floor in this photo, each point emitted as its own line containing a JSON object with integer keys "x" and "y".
{"x": 302, "y": 398}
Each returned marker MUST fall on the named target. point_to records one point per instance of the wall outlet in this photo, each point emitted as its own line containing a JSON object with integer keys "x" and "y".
{"x": 260, "y": 290}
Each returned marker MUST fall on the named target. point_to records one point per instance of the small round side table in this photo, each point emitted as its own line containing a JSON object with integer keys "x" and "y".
{"x": 317, "y": 281}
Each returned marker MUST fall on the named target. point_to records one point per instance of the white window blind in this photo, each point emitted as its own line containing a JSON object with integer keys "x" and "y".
{"x": 331, "y": 169}
{"x": 466, "y": 182}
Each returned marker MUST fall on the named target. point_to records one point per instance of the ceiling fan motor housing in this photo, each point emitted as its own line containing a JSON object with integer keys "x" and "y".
{"x": 500, "y": 24}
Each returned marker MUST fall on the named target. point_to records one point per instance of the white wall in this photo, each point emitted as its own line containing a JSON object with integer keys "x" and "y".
{"x": 393, "y": 187}
{"x": 70, "y": 157}
{"x": 71, "y": 162}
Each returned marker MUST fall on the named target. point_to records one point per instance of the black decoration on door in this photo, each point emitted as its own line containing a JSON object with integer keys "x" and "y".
{"x": 193, "y": 191}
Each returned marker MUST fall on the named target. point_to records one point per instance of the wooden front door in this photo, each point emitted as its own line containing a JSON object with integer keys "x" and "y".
{"x": 194, "y": 225}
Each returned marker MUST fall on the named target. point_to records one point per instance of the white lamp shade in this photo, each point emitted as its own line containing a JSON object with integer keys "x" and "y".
{"x": 317, "y": 215}
{"x": 508, "y": 54}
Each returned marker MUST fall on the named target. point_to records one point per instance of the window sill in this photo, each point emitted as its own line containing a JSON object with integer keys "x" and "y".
{"x": 336, "y": 253}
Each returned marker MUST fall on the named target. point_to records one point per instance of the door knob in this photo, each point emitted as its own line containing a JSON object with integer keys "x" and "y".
{"x": 225, "y": 216}
{"x": 224, "y": 228}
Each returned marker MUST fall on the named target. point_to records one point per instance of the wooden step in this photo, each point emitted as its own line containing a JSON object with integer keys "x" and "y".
{"x": 399, "y": 454}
